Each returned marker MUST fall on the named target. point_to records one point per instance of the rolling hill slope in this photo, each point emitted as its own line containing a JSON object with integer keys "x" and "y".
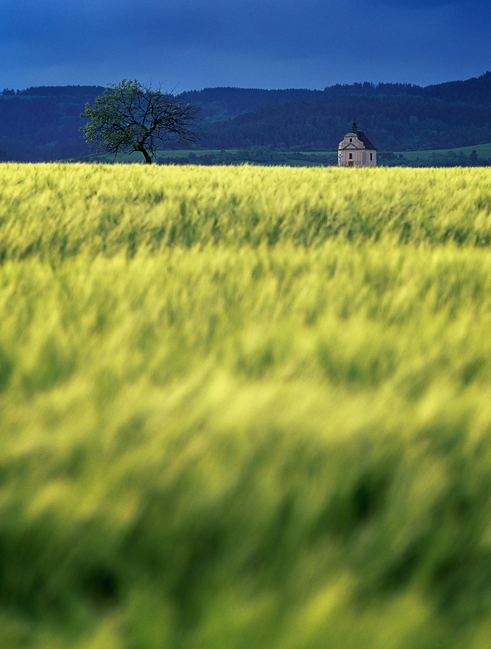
{"x": 41, "y": 123}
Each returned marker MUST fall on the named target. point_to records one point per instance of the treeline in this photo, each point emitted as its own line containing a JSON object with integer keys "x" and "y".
{"x": 392, "y": 123}
{"x": 436, "y": 159}
{"x": 55, "y": 91}
{"x": 270, "y": 155}
{"x": 256, "y": 154}
{"x": 475, "y": 91}
{"x": 218, "y": 104}
{"x": 42, "y": 123}
{"x": 225, "y": 103}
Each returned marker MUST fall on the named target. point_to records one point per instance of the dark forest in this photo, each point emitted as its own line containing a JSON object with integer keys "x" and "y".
{"x": 42, "y": 123}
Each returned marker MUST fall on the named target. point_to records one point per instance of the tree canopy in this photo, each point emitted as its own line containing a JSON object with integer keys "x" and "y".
{"x": 131, "y": 117}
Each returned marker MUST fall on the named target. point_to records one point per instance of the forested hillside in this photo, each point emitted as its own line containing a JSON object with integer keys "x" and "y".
{"x": 42, "y": 123}
{"x": 225, "y": 103}
{"x": 394, "y": 123}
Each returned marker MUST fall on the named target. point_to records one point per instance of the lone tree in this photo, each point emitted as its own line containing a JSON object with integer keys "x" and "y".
{"x": 131, "y": 117}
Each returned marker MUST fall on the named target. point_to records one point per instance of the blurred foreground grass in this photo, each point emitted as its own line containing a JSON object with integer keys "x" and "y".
{"x": 244, "y": 408}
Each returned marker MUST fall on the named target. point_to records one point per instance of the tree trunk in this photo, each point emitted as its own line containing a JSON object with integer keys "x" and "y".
{"x": 148, "y": 157}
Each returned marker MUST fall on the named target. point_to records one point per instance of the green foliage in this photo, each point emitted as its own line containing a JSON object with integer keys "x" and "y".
{"x": 131, "y": 117}
{"x": 244, "y": 407}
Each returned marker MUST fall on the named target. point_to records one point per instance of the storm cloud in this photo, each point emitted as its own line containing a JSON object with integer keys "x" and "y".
{"x": 192, "y": 44}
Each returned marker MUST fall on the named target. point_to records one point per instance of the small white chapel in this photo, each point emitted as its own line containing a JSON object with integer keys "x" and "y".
{"x": 356, "y": 150}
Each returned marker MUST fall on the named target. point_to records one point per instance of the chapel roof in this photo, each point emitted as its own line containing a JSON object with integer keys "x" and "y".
{"x": 363, "y": 138}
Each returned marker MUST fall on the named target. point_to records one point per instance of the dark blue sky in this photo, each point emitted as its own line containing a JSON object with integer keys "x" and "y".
{"x": 193, "y": 44}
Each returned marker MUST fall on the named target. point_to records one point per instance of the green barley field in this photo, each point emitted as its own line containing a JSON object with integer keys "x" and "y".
{"x": 245, "y": 407}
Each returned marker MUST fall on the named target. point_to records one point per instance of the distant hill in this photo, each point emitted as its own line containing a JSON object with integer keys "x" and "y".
{"x": 473, "y": 92}
{"x": 220, "y": 104}
{"x": 397, "y": 123}
{"x": 41, "y": 123}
